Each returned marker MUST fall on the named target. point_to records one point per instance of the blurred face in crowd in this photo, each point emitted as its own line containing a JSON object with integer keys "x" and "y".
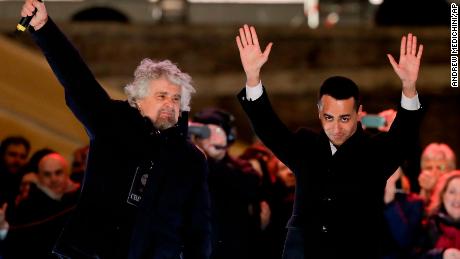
{"x": 15, "y": 157}
{"x": 162, "y": 105}
{"x": 339, "y": 118}
{"x": 215, "y": 146}
{"x": 53, "y": 173}
{"x": 431, "y": 170}
{"x": 285, "y": 175}
{"x": 435, "y": 166}
{"x": 451, "y": 198}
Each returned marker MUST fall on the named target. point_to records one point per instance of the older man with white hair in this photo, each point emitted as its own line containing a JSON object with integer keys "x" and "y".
{"x": 145, "y": 193}
{"x": 437, "y": 159}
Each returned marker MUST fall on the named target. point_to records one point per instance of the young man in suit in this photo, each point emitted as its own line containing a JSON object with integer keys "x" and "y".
{"x": 341, "y": 172}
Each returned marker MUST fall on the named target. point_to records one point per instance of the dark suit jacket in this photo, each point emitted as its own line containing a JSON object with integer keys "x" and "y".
{"x": 340, "y": 197}
{"x": 116, "y": 216}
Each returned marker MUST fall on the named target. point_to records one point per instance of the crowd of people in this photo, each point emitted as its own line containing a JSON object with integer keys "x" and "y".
{"x": 157, "y": 181}
{"x": 252, "y": 198}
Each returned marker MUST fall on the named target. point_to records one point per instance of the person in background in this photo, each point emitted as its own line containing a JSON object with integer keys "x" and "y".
{"x": 403, "y": 213}
{"x": 14, "y": 152}
{"x": 233, "y": 186}
{"x": 437, "y": 159}
{"x": 30, "y": 176}
{"x": 278, "y": 189}
{"x": 441, "y": 236}
{"x": 38, "y": 219}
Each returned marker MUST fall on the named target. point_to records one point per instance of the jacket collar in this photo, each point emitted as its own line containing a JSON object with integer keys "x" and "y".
{"x": 446, "y": 219}
{"x": 355, "y": 138}
{"x": 179, "y": 130}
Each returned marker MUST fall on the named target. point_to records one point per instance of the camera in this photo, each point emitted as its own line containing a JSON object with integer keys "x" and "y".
{"x": 199, "y": 131}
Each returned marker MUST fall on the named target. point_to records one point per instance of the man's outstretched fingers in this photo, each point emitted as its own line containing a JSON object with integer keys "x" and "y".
{"x": 268, "y": 49}
{"x": 414, "y": 46}
{"x": 244, "y": 42}
{"x": 403, "y": 47}
{"x": 238, "y": 42}
{"x": 255, "y": 40}
{"x": 420, "y": 51}
{"x": 409, "y": 44}
{"x": 248, "y": 34}
{"x": 393, "y": 62}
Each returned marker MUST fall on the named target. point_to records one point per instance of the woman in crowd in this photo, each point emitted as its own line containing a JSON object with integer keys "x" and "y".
{"x": 442, "y": 228}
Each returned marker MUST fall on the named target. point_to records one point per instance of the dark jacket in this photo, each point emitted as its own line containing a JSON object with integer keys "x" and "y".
{"x": 36, "y": 224}
{"x": 403, "y": 225}
{"x": 337, "y": 197}
{"x": 118, "y": 217}
{"x": 9, "y": 185}
{"x": 233, "y": 185}
{"x": 440, "y": 232}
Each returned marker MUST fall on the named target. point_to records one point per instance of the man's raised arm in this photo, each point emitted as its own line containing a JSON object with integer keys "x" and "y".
{"x": 83, "y": 93}
{"x": 252, "y": 59}
{"x": 253, "y": 98}
{"x": 403, "y": 135}
{"x": 407, "y": 70}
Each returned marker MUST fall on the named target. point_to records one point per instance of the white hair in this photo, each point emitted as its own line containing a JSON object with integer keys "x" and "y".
{"x": 439, "y": 151}
{"x": 150, "y": 70}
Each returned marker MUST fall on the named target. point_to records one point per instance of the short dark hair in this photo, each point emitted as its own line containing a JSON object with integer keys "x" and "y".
{"x": 340, "y": 88}
{"x": 13, "y": 140}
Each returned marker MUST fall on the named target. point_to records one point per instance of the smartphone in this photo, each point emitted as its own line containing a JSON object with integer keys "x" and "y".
{"x": 373, "y": 121}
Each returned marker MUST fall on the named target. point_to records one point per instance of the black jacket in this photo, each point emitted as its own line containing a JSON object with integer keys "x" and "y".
{"x": 340, "y": 197}
{"x": 36, "y": 223}
{"x": 440, "y": 232}
{"x": 118, "y": 217}
{"x": 233, "y": 185}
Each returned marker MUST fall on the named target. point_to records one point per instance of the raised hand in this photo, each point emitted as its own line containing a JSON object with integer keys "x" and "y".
{"x": 409, "y": 63}
{"x": 427, "y": 180}
{"x": 40, "y": 18}
{"x": 252, "y": 58}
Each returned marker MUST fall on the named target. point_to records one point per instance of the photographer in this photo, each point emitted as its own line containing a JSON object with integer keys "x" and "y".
{"x": 233, "y": 186}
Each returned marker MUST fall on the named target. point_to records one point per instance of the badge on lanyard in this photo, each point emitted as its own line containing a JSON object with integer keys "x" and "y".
{"x": 139, "y": 184}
